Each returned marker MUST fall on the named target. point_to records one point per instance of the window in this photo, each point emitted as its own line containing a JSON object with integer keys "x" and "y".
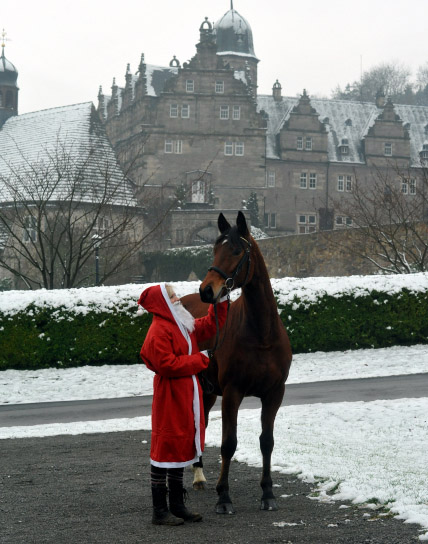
{"x": 343, "y": 221}
{"x": 190, "y": 86}
{"x": 236, "y": 113}
{"x": 299, "y": 142}
{"x": 306, "y": 223}
{"x": 173, "y": 110}
{"x": 270, "y": 220}
{"x": 228, "y": 148}
{"x": 224, "y": 112}
{"x": 102, "y": 227}
{"x": 387, "y": 150}
{"x": 185, "y": 111}
{"x": 30, "y": 229}
{"x": 303, "y": 180}
{"x": 178, "y": 146}
{"x": 312, "y": 181}
{"x": 271, "y": 178}
{"x": 239, "y": 149}
{"x": 424, "y": 152}
{"x": 219, "y": 87}
{"x": 344, "y": 183}
{"x": 308, "y": 144}
{"x": 173, "y": 146}
{"x": 408, "y": 186}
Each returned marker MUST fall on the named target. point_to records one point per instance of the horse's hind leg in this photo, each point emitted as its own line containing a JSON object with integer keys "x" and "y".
{"x": 199, "y": 480}
{"x": 270, "y": 406}
{"x": 230, "y": 405}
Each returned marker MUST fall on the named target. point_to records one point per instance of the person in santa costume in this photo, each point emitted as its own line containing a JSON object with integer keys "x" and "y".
{"x": 171, "y": 351}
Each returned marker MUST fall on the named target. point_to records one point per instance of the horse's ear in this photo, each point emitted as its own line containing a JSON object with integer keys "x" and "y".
{"x": 223, "y": 224}
{"x": 242, "y": 224}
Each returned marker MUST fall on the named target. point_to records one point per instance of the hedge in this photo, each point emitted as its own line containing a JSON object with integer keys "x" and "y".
{"x": 44, "y": 334}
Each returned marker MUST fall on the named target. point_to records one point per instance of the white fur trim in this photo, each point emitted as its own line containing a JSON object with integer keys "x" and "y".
{"x": 196, "y": 403}
{"x": 174, "y": 465}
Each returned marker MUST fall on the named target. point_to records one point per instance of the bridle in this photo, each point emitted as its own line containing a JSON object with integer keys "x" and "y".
{"x": 229, "y": 284}
{"x": 229, "y": 281}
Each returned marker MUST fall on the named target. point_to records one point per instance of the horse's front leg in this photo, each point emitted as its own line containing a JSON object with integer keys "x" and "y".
{"x": 199, "y": 480}
{"x": 229, "y": 407}
{"x": 270, "y": 406}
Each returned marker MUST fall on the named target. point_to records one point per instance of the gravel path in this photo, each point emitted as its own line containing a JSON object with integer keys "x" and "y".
{"x": 89, "y": 489}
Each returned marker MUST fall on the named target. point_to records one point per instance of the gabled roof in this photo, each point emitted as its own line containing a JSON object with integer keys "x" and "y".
{"x": 344, "y": 120}
{"x": 69, "y": 134}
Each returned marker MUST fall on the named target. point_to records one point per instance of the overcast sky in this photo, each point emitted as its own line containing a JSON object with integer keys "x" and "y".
{"x": 65, "y": 49}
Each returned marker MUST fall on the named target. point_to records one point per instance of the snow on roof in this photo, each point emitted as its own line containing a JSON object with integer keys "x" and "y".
{"x": 343, "y": 119}
{"x": 156, "y": 76}
{"x": 46, "y": 138}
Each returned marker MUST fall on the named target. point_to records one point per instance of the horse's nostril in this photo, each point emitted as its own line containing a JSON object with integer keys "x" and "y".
{"x": 207, "y": 294}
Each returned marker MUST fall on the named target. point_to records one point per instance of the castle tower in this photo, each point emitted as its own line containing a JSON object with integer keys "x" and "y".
{"x": 8, "y": 86}
{"x": 234, "y": 39}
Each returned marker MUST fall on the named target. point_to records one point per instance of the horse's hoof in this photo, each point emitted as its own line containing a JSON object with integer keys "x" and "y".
{"x": 199, "y": 486}
{"x": 268, "y": 504}
{"x": 225, "y": 508}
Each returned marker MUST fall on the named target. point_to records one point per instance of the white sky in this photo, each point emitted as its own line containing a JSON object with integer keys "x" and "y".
{"x": 65, "y": 49}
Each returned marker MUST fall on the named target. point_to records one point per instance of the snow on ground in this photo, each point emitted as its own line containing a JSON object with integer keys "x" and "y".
{"x": 358, "y": 451}
{"x": 26, "y": 386}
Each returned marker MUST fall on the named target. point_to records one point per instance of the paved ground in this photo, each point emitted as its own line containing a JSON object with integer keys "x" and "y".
{"x": 90, "y": 489}
{"x": 366, "y": 389}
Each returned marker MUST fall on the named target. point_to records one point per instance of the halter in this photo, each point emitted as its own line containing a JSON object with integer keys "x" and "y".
{"x": 229, "y": 281}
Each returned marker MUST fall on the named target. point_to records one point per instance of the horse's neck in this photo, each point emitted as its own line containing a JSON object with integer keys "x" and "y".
{"x": 259, "y": 297}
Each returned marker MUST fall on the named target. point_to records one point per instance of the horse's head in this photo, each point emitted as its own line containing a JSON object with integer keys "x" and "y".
{"x": 232, "y": 260}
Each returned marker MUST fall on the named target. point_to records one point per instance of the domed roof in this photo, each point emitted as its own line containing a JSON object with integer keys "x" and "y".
{"x": 233, "y": 34}
{"x": 8, "y": 72}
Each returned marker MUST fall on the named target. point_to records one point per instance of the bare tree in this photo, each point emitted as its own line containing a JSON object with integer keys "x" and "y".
{"x": 392, "y": 78}
{"x": 59, "y": 212}
{"x": 388, "y": 216}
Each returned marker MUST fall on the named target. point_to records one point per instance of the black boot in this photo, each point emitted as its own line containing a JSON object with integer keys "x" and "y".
{"x": 161, "y": 514}
{"x": 177, "y": 495}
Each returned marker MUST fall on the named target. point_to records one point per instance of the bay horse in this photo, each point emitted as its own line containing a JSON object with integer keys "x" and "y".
{"x": 253, "y": 354}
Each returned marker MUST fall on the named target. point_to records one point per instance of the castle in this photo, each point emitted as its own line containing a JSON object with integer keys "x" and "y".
{"x": 199, "y": 132}
{"x": 201, "y": 128}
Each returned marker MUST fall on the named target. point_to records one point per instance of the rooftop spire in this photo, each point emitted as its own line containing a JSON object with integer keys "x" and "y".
{"x": 231, "y": 4}
{"x": 3, "y": 40}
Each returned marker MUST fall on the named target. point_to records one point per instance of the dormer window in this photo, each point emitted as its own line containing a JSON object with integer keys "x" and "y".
{"x": 424, "y": 152}
{"x": 387, "y": 149}
{"x": 344, "y": 146}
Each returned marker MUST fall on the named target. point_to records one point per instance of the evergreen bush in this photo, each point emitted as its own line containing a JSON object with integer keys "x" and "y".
{"x": 55, "y": 336}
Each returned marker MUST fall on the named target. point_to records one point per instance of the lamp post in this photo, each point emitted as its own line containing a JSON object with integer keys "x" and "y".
{"x": 97, "y": 243}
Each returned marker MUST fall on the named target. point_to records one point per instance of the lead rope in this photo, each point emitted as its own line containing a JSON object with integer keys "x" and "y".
{"x": 207, "y": 386}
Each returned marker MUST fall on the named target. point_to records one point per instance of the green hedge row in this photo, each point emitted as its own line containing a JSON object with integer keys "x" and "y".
{"x": 373, "y": 321}
{"x": 54, "y": 337}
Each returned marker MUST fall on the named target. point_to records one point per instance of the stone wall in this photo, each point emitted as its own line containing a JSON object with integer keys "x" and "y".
{"x": 317, "y": 254}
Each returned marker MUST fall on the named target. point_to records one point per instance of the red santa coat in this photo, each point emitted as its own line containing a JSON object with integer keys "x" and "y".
{"x": 178, "y": 423}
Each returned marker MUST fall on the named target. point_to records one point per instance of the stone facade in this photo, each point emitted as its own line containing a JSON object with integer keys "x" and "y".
{"x": 202, "y": 128}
